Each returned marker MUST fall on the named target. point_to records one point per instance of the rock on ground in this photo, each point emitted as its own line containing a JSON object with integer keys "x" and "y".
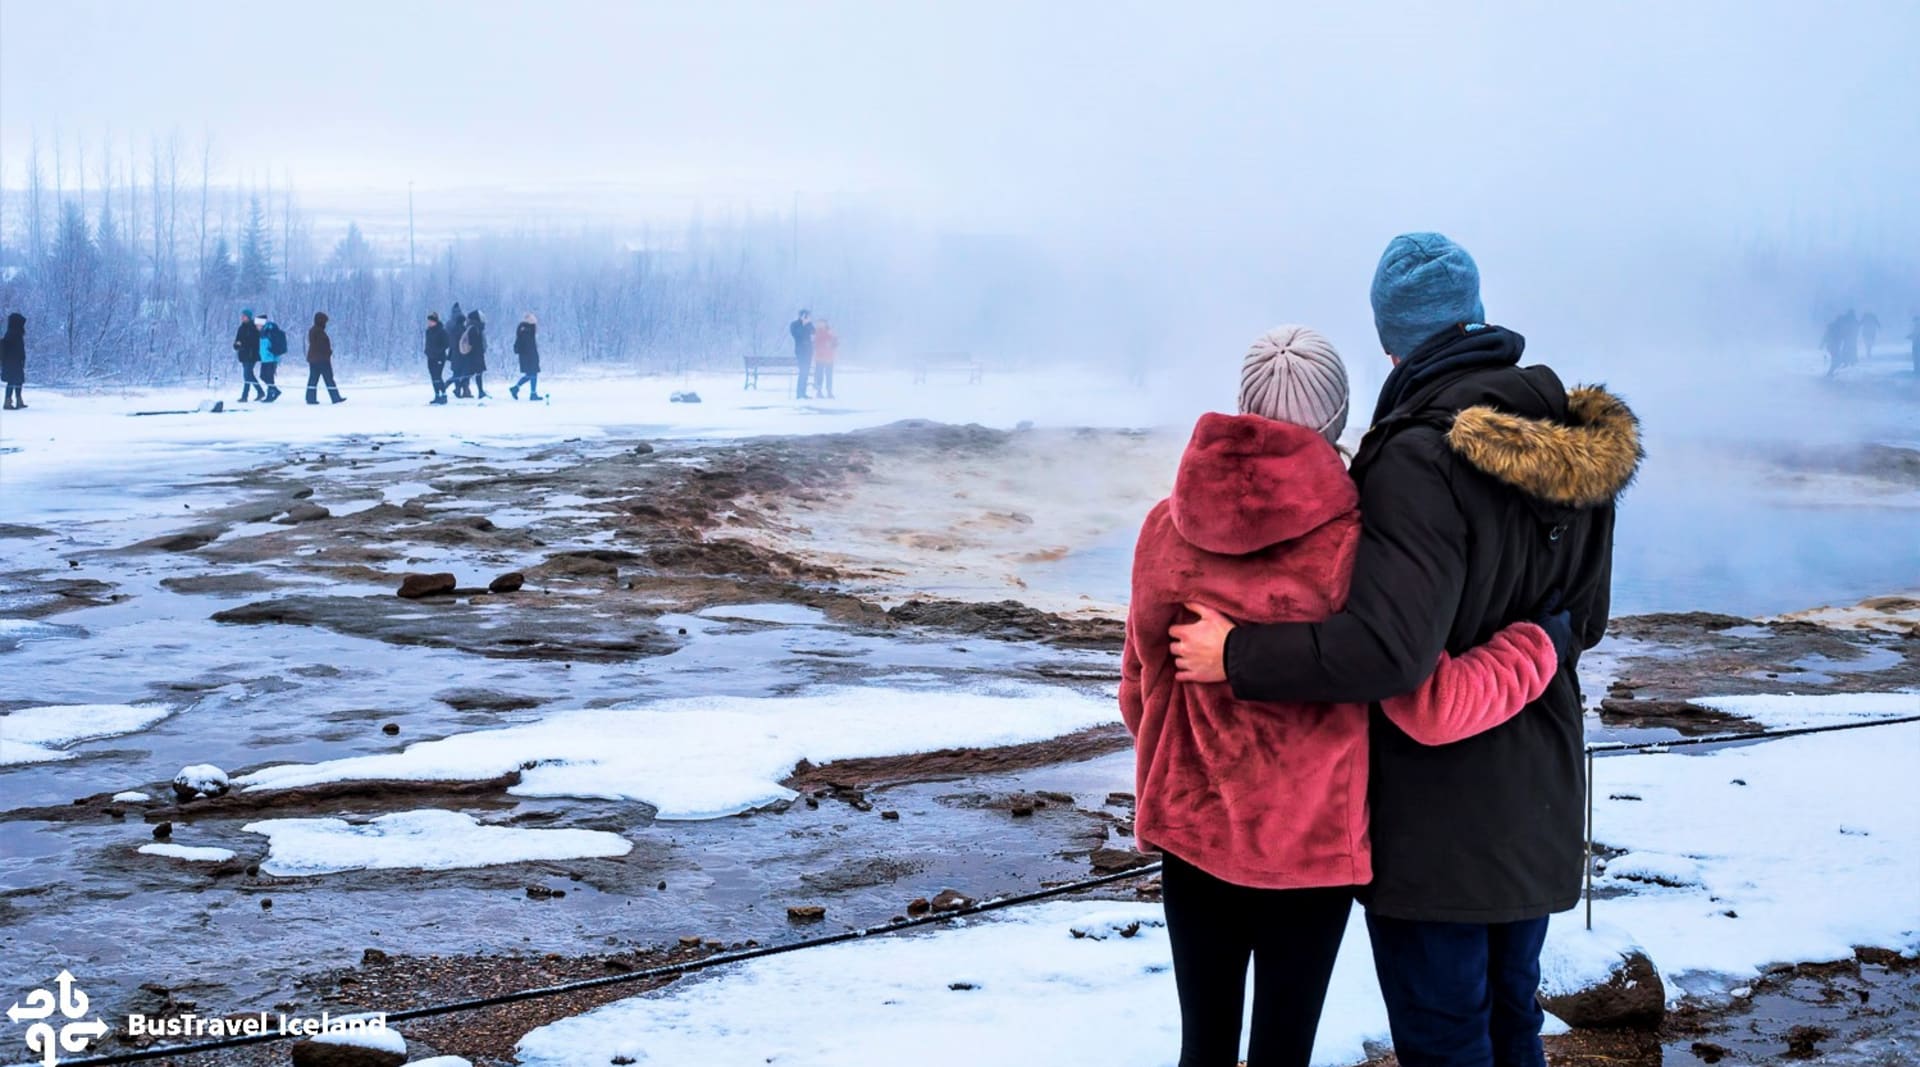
{"x": 200, "y": 780}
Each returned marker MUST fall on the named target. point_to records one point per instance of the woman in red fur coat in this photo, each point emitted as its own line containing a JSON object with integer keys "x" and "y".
{"x": 1259, "y": 810}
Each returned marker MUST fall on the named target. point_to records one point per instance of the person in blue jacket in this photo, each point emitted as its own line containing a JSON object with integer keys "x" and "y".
{"x": 273, "y": 345}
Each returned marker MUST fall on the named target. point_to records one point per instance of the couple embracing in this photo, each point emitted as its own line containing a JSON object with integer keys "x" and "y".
{"x": 1359, "y": 683}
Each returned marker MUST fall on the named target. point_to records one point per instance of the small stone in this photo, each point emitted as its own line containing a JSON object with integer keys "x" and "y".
{"x": 372, "y": 957}
{"x": 1632, "y": 997}
{"x": 643, "y": 449}
{"x": 662, "y": 885}
{"x": 266, "y": 903}
{"x": 345, "y": 1050}
{"x": 541, "y": 892}
{"x": 949, "y": 900}
{"x": 390, "y": 729}
{"x": 1113, "y": 860}
{"x": 690, "y": 941}
{"x": 1120, "y": 799}
{"x": 806, "y": 913}
{"x": 1709, "y": 1052}
{"x": 890, "y": 816}
{"x": 961, "y": 987}
{"x": 162, "y": 831}
{"x": 200, "y": 781}
{"x": 415, "y": 586}
{"x": 510, "y": 582}
{"x": 304, "y": 513}
{"x": 918, "y": 906}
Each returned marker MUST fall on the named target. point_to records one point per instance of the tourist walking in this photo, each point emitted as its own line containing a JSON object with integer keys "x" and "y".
{"x": 320, "y": 361}
{"x": 273, "y": 345}
{"x": 246, "y": 348}
{"x": 13, "y": 360}
{"x": 526, "y": 345}
{"x": 473, "y": 346}
{"x": 437, "y": 345}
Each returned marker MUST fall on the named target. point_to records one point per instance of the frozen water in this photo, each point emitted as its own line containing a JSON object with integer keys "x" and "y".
{"x": 41, "y": 734}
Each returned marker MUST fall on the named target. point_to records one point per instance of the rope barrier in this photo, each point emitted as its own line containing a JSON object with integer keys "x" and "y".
{"x": 664, "y": 971}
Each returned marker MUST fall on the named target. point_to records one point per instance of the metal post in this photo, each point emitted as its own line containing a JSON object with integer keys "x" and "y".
{"x": 1589, "y": 838}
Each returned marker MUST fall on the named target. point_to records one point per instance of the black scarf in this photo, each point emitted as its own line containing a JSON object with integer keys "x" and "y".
{"x": 1459, "y": 348}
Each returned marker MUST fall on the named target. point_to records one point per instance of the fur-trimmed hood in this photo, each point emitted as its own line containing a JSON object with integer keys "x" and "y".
{"x": 1583, "y": 462}
{"x": 1248, "y": 483}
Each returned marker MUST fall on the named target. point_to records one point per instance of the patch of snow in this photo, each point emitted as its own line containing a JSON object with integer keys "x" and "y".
{"x": 425, "y": 840}
{"x": 40, "y": 734}
{"x": 197, "y": 854}
{"x": 1799, "y": 849}
{"x": 1576, "y": 958}
{"x": 440, "y": 1061}
{"x": 1653, "y": 868}
{"x": 708, "y": 757}
{"x": 131, "y": 796}
{"x": 1782, "y": 711}
{"x": 1037, "y": 993}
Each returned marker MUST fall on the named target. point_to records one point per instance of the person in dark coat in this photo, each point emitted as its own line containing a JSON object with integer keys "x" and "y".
{"x": 473, "y": 345}
{"x": 246, "y": 348}
{"x": 1488, "y": 491}
{"x": 320, "y": 361}
{"x": 802, "y": 330}
{"x": 1840, "y": 341}
{"x": 13, "y": 361}
{"x": 527, "y": 346}
{"x": 437, "y": 345}
{"x": 456, "y": 358}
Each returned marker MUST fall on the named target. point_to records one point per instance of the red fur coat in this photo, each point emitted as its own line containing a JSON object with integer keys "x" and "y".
{"x": 1262, "y": 526}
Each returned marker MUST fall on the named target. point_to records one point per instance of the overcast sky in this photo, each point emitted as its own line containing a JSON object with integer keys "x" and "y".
{"x": 1189, "y": 113}
{"x": 1233, "y": 162}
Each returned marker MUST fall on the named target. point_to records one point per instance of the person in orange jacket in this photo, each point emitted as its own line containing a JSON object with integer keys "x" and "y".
{"x": 826, "y": 345}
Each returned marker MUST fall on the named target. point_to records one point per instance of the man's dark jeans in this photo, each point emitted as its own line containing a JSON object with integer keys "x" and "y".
{"x": 1461, "y": 994}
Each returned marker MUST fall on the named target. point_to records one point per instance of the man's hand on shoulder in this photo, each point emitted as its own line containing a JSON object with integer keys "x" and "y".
{"x": 1200, "y": 647}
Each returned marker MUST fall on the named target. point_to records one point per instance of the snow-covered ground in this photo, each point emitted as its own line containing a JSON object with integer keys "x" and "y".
{"x": 71, "y": 440}
{"x": 42, "y": 734}
{"x": 1791, "y": 850}
{"x": 706, "y": 757}
{"x": 421, "y": 840}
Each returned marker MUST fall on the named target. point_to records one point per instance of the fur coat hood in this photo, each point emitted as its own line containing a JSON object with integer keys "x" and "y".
{"x": 1247, "y": 483}
{"x": 1584, "y": 462}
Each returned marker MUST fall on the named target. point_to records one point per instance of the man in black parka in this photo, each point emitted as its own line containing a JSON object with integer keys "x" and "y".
{"x": 246, "y": 347}
{"x": 436, "y": 348}
{"x": 1487, "y": 495}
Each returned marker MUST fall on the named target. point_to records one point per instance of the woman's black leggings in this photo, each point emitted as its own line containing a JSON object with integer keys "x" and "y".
{"x": 1292, "y": 936}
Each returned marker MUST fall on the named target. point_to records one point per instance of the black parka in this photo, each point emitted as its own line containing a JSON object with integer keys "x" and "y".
{"x": 1484, "y": 491}
{"x": 476, "y": 336}
{"x": 436, "y": 343}
{"x": 246, "y": 342}
{"x": 13, "y": 350}
{"x": 527, "y": 347}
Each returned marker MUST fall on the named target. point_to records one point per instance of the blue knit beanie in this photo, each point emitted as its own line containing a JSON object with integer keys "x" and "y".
{"x": 1424, "y": 284}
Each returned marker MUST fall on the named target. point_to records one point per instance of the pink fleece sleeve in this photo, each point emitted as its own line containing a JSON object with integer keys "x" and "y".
{"x": 1478, "y": 691}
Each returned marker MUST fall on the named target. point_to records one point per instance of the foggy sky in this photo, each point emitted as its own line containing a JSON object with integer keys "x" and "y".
{"x": 1046, "y": 113}
{"x": 1236, "y": 164}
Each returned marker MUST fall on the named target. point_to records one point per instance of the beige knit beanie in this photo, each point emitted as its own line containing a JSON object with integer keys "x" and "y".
{"x": 1292, "y": 374}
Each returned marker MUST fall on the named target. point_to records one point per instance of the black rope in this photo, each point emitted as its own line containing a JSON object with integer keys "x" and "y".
{"x": 1615, "y": 748}
{"x": 664, "y": 971}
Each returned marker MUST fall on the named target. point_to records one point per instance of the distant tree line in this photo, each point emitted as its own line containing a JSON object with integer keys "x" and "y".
{"x": 132, "y": 269}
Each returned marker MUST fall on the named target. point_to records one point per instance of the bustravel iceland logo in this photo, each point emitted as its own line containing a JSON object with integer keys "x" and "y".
{"x": 40, "y": 1005}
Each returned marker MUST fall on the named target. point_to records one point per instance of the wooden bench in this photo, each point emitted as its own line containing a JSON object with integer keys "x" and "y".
{"x": 948, "y": 363}
{"x": 755, "y": 365}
